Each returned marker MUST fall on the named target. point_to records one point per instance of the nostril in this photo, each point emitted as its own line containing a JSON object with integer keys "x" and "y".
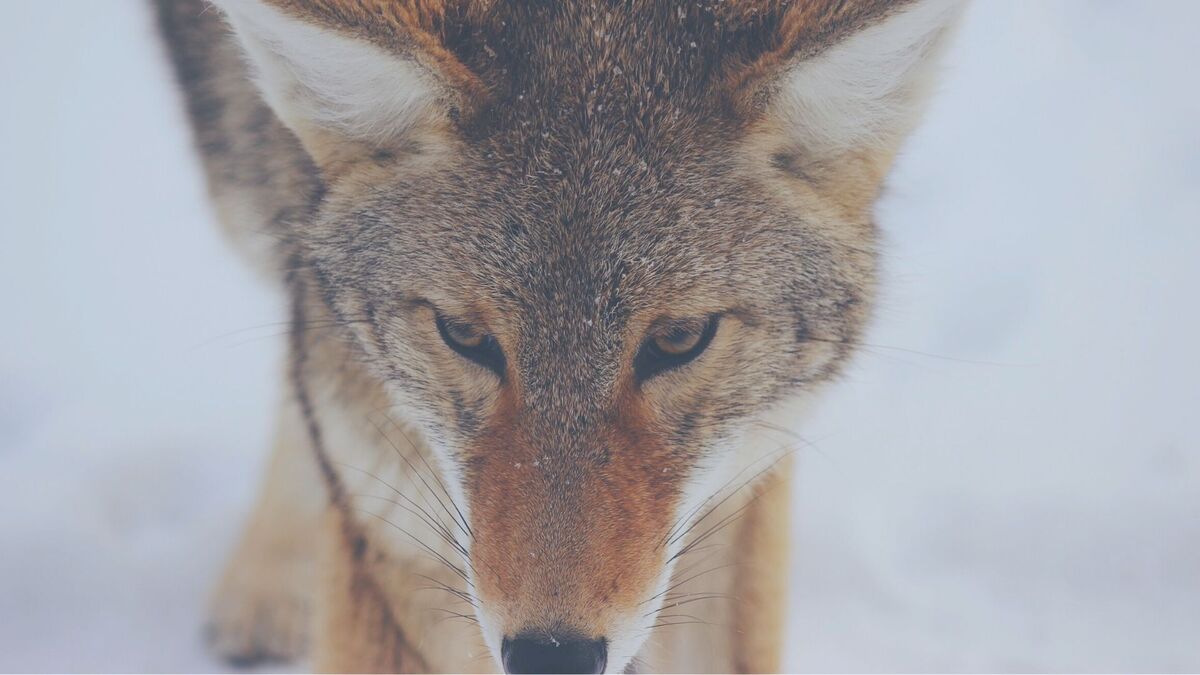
{"x": 545, "y": 654}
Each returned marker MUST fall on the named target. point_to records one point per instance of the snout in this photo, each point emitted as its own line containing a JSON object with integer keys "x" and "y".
{"x": 568, "y": 542}
{"x": 548, "y": 653}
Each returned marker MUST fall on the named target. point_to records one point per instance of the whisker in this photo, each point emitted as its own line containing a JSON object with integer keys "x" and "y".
{"x": 462, "y": 519}
{"x": 445, "y": 537}
{"x": 454, "y": 568}
{"x": 700, "y": 597}
{"x": 928, "y": 355}
{"x": 465, "y": 526}
{"x": 451, "y": 591}
{"x": 806, "y": 443}
{"x": 322, "y": 324}
{"x": 441, "y": 527}
{"x": 771, "y": 465}
{"x": 417, "y": 473}
{"x": 404, "y": 458}
{"x": 714, "y": 529}
{"x": 679, "y": 623}
{"x": 723, "y": 523}
{"x": 446, "y": 587}
{"x": 700, "y": 561}
{"x": 684, "y": 581}
{"x": 454, "y": 615}
{"x": 674, "y": 536}
{"x": 684, "y": 616}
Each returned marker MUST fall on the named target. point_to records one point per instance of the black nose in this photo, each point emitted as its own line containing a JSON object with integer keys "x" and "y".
{"x": 550, "y": 654}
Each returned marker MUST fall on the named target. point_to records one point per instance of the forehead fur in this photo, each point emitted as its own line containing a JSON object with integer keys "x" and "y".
{"x": 495, "y": 50}
{"x": 607, "y": 177}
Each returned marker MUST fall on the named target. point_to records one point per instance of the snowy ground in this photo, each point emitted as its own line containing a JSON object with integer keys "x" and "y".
{"x": 1009, "y": 480}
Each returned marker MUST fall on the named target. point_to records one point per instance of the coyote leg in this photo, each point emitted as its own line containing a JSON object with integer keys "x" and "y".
{"x": 357, "y": 631}
{"x": 761, "y": 582}
{"x": 261, "y": 609}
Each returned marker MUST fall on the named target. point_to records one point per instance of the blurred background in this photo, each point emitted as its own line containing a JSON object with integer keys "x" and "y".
{"x": 1008, "y": 479}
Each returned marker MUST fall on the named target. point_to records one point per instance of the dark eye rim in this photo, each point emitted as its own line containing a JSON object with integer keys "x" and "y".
{"x": 487, "y": 353}
{"x": 652, "y": 361}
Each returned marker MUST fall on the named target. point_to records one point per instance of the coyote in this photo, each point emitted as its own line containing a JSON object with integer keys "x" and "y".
{"x": 561, "y": 276}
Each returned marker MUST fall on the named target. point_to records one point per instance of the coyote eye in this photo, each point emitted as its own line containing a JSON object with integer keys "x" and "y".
{"x": 673, "y": 347}
{"x": 472, "y": 343}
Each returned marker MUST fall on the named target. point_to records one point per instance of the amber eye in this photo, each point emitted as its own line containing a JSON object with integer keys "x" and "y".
{"x": 474, "y": 344}
{"x": 678, "y": 340}
{"x": 464, "y": 335}
{"x": 673, "y": 346}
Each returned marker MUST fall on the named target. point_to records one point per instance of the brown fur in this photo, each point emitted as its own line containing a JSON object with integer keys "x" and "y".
{"x": 592, "y": 171}
{"x": 573, "y": 582}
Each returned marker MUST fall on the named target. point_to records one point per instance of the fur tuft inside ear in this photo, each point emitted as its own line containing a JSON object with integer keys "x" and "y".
{"x": 867, "y": 89}
{"x": 316, "y": 79}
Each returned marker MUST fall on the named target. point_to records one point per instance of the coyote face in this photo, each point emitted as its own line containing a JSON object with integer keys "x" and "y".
{"x": 585, "y": 247}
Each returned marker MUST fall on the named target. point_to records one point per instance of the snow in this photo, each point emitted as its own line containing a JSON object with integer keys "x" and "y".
{"x": 1009, "y": 479}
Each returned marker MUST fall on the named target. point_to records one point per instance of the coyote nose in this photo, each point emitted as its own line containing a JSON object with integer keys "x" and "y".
{"x": 545, "y": 654}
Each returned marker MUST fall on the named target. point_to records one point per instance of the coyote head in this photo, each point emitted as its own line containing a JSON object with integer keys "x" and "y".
{"x": 586, "y": 244}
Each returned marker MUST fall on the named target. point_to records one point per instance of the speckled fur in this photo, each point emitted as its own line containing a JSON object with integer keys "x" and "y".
{"x": 595, "y": 167}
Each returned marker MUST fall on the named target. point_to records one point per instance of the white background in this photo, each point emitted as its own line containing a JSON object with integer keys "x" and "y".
{"x": 1008, "y": 480}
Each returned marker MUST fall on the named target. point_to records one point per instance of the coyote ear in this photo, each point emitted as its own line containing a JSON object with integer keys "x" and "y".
{"x": 335, "y": 74}
{"x": 866, "y": 88}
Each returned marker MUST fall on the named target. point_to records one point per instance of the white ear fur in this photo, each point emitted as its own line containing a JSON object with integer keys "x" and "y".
{"x": 868, "y": 88}
{"x": 314, "y": 77}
